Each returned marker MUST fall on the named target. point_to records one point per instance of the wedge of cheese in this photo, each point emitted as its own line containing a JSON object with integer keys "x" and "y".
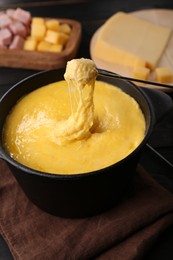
{"x": 127, "y": 40}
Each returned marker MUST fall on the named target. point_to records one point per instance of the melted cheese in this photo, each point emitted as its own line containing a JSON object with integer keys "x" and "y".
{"x": 29, "y": 133}
{"x": 80, "y": 75}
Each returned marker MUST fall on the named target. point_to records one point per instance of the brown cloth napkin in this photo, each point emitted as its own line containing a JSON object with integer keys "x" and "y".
{"x": 125, "y": 232}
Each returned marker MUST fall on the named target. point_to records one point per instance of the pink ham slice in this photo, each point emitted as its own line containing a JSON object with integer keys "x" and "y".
{"x": 10, "y": 12}
{"x": 17, "y": 28}
{"x": 17, "y": 43}
{"x": 14, "y": 28}
{"x": 5, "y": 20}
{"x": 22, "y": 16}
{"x": 3, "y": 47}
{"x": 5, "y": 37}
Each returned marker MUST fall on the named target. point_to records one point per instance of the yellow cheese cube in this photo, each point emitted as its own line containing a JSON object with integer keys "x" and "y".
{"x": 30, "y": 44}
{"x": 56, "y": 48}
{"x": 53, "y": 24}
{"x": 51, "y": 36}
{"x": 44, "y": 46}
{"x": 124, "y": 37}
{"x": 65, "y": 28}
{"x": 56, "y": 37}
{"x": 141, "y": 73}
{"x": 62, "y": 38}
{"x": 37, "y": 21}
{"x": 164, "y": 75}
{"x": 38, "y": 31}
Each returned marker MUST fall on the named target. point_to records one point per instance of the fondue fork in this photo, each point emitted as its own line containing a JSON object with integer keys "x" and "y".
{"x": 109, "y": 74}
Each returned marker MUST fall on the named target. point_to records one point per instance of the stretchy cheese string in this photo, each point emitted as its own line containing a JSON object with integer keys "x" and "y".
{"x": 80, "y": 75}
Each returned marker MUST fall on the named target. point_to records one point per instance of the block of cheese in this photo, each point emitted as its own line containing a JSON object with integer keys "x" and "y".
{"x": 53, "y": 24}
{"x": 65, "y": 28}
{"x": 141, "y": 73}
{"x": 30, "y": 44}
{"x": 43, "y": 46}
{"x": 51, "y": 36}
{"x": 56, "y": 37}
{"x": 164, "y": 75}
{"x": 38, "y": 31}
{"x": 37, "y": 21}
{"x": 127, "y": 40}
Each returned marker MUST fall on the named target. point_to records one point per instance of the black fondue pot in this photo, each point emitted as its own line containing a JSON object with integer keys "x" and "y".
{"x": 76, "y": 195}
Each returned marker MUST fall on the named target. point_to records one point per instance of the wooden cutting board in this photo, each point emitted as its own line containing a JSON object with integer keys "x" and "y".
{"x": 44, "y": 60}
{"x": 162, "y": 17}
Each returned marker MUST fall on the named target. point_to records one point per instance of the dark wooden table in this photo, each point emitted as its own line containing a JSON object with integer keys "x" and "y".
{"x": 157, "y": 158}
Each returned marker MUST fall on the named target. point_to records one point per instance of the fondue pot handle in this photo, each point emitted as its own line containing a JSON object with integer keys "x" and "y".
{"x": 161, "y": 102}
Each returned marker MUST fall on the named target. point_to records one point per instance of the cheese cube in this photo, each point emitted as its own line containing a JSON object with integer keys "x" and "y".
{"x": 56, "y": 37}
{"x": 62, "y": 38}
{"x": 44, "y": 46}
{"x": 125, "y": 38}
{"x": 56, "y": 48}
{"x": 38, "y": 31}
{"x": 164, "y": 75}
{"x": 30, "y": 44}
{"x": 53, "y": 24}
{"x": 141, "y": 73}
{"x": 65, "y": 28}
{"x": 51, "y": 36}
{"x": 37, "y": 21}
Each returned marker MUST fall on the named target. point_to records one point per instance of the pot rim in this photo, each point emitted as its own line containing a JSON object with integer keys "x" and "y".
{"x": 5, "y": 156}
{"x": 66, "y": 176}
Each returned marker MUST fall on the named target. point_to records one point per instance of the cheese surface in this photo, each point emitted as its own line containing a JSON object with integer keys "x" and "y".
{"x": 31, "y": 130}
{"x": 127, "y": 40}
